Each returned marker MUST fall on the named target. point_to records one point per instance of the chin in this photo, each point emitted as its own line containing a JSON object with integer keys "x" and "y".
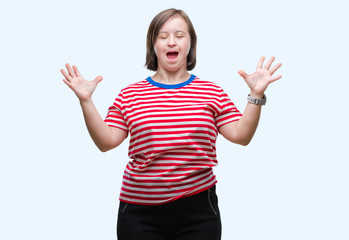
{"x": 172, "y": 69}
{"x": 175, "y": 68}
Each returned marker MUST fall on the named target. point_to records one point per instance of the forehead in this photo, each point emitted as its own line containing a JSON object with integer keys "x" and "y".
{"x": 173, "y": 24}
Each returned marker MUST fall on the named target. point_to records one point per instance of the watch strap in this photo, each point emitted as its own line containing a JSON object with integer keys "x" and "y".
{"x": 257, "y": 101}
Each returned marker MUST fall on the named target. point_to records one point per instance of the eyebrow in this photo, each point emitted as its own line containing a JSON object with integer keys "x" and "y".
{"x": 179, "y": 31}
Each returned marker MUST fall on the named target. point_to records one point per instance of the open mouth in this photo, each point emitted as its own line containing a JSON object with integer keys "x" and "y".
{"x": 172, "y": 55}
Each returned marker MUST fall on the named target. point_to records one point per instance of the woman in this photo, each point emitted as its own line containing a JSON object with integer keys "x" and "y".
{"x": 173, "y": 117}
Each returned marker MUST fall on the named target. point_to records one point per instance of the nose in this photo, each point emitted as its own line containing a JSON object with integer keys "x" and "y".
{"x": 171, "y": 41}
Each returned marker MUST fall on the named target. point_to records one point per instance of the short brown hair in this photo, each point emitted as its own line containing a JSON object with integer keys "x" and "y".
{"x": 153, "y": 31}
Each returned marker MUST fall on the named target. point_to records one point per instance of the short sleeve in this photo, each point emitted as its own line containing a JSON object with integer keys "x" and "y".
{"x": 227, "y": 112}
{"x": 115, "y": 117}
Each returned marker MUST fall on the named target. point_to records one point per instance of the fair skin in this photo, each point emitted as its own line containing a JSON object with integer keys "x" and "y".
{"x": 174, "y": 36}
{"x": 104, "y": 137}
{"x": 172, "y": 47}
{"x": 242, "y": 131}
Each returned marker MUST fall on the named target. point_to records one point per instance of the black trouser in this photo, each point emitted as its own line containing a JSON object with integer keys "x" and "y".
{"x": 190, "y": 218}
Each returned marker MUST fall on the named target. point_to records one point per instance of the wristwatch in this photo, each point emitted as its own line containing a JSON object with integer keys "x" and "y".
{"x": 256, "y": 100}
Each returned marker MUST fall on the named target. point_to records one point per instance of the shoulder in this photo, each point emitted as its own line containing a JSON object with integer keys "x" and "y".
{"x": 198, "y": 82}
{"x": 135, "y": 86}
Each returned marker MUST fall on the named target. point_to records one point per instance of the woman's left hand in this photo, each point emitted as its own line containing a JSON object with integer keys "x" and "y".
{"x": 259, "y": 80}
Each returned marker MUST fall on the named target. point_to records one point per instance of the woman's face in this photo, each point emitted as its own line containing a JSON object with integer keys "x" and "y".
{"x": 172, "y": 45}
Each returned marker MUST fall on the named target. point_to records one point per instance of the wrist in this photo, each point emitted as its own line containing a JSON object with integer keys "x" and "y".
{"x": 256, "y": 95}
{"x": 257, "y": 100}
{"x": 84, "y": 102}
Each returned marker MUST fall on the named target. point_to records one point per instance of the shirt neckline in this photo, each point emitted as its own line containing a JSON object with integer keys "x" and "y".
{"x": 171, "y": 86}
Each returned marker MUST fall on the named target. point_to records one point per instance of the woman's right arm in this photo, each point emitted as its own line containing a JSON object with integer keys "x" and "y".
{"x": 104, "y": 137}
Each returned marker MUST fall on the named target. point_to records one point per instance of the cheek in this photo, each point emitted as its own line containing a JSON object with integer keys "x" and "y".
{"x": 188, "y": 50}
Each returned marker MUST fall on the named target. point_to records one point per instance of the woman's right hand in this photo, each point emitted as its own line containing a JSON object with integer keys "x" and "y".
{"x": 81, "y": 87}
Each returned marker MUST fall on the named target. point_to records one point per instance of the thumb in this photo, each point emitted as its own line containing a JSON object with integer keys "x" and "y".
{"x": 98, "y": 79}
{"x": 243, "y": 74}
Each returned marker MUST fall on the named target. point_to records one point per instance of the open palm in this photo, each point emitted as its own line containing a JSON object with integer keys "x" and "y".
{"x": 259, "y": 80}
{"x": 75, "y": 81}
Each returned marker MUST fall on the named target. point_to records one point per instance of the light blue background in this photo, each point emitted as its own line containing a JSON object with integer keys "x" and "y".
{"x": 290, "y": 183}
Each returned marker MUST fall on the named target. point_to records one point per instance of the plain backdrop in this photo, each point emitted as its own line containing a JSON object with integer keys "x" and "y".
{"x": 290, "y": 183}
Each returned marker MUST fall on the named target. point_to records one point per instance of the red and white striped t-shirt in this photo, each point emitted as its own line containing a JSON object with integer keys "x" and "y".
{"x": 173, "y": 130}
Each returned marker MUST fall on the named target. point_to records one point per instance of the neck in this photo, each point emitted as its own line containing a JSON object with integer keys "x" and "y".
{"x": 168, "y": 77}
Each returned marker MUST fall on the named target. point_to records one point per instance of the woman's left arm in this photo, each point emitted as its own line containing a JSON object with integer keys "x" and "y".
{"x": 242, "y": 131}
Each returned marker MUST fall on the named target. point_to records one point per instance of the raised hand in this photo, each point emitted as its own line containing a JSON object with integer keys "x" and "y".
{"x": 75, "y": 81}
{"x": 259, "y": 80}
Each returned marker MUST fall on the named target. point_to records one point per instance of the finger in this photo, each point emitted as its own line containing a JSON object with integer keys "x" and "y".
{"x": 271, "y": 60}
{"x": 276, "y": 78}
{"x": 243, "y": 74}
{"x": 260, "y": 63}
{"x": 77, "y": 73}
{"x": 67, "y": 82}
{"x": 98, "y": 79}
{"x": 276, "y": 67}
{"x": 70, "y": 70}
{"x": 65, "y": 74}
